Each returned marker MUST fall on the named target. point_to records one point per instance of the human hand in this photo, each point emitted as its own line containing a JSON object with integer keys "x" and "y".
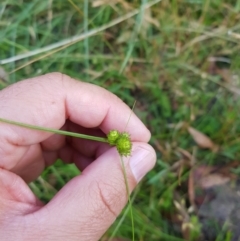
{"x": 88, "y": 204}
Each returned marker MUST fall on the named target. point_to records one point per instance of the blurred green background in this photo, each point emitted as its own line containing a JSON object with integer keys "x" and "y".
{"x": 179, "y": 59}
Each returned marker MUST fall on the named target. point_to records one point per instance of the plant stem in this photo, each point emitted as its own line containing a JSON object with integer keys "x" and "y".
{"x": 60, "y": 132}
{"x": 129, "y": 198}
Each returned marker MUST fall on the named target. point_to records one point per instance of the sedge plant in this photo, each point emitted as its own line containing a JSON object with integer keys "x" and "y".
{"x": 121, "y": 140}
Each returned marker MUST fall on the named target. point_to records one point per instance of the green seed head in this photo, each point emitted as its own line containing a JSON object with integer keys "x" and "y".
{"x": 112, "y": 137}
{"x": 125, "y": 134}
{"x": 124, "y": 144}
{"x": 121, "y": 141}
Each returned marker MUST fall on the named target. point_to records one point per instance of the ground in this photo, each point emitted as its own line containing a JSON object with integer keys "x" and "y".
{"x": 179, "y": 60}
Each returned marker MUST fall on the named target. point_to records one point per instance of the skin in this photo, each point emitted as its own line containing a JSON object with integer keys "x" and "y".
{"x": 87, "y": 205}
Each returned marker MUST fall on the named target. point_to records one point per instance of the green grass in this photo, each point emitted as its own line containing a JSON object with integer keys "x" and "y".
{"x": 160, "y": 57}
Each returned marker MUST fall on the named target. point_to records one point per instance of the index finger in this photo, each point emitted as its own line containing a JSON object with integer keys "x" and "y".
{"x": 50, "y": 99}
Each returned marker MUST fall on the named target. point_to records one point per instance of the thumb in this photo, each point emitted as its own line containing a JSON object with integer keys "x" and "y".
{"x": 86, "y": 207}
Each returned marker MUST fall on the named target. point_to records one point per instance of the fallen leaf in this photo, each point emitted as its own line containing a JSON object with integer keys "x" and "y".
{"x": 213, "y": 179}
{"x": 205, "y": 177}
{"x": 201, "y": 139}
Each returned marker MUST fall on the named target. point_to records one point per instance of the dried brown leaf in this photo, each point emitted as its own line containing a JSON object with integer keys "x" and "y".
{"x": 205, "y": 177}
{"x": 212, "y": 180}
{"x": 201, "y": 139}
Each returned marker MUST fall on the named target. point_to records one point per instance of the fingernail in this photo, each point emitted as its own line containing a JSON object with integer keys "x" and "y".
{"x": 142, "y": 161}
